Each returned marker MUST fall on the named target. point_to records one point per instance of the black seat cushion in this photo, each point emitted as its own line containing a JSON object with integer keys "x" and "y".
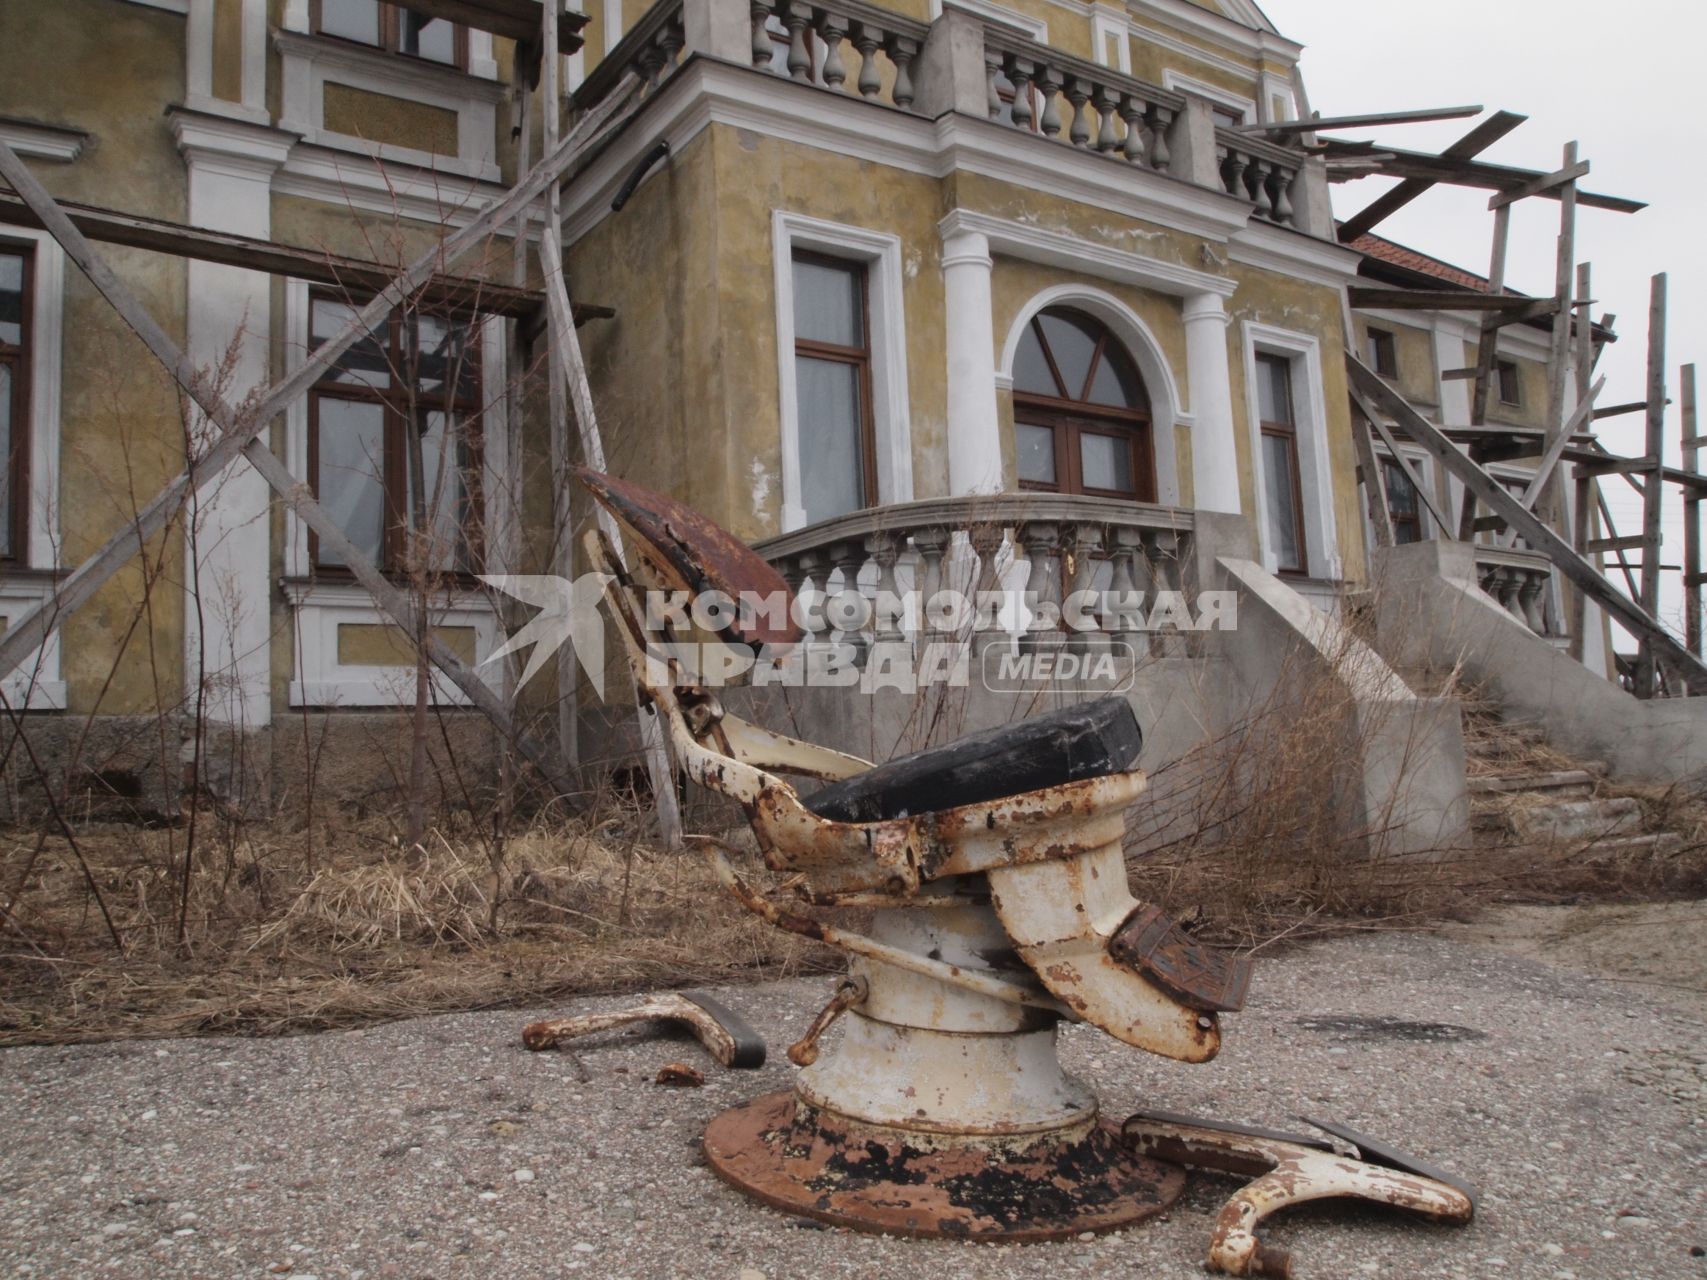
{"x": 1084, "y": 741}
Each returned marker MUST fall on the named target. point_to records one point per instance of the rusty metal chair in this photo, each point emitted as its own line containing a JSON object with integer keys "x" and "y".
{"x": 993, "y": 871}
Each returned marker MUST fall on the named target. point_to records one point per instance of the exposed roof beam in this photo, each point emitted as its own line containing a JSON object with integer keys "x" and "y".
{"x": 1473, "y": 143}
{"x": 1476, "y": 173}
{"x": 1360, "y": 122}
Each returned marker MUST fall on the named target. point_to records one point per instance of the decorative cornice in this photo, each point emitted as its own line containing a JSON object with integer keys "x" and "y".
{"x": 354, "y": 181}
{"x": 1294, "y": 254}
{"x": 1086, "y": 257}
{"x": 229, "y": 144}
{"x": 402, "y": 74}
{"x": 43, "y": 141}
{"x": 705, "y": 91}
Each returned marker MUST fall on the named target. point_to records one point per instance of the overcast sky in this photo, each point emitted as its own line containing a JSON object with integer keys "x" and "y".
{"x": 1622, "y": 81}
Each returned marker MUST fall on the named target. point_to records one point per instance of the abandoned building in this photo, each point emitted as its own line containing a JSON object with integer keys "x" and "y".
{"x": 1048, "y": 290}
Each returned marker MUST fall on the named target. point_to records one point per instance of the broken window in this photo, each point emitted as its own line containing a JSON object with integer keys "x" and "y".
{"x": 1402, "y": 503}
{"x": 1511, "y": 384}
{"x": 1383, "y": 353}
{"x": 405, "y": 397}
{"x": 394, "y": 29}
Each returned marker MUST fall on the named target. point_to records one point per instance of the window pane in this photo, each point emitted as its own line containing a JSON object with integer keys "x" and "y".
{"x": 1031, "y": 370}
{"x": 1105, "y": 462}
{"x": 430, "y": 38}
{"x": 351, "y": 19}
{"x": 352, "y": 466}
{"x": 1274, "y": 389}
{"x": 444, "y": 351}
{"x": 1401, "y": 494}
{"x": 1282, "y": 501}
{"x": 6, "y": 460}
{"x": 1072, "y": 341}
{"x": 11, "y": 299}
{"x": 1116, "y": 381}
{"x": 827, "y": 303}
{"x": 445, "y": 465}
{"x": 366, "y": 363}
{"x": 1034, "y": 452}
{"x": 831, "y": 450}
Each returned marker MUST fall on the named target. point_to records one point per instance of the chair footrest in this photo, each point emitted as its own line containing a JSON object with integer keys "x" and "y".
{"x": 1198, "y": 976}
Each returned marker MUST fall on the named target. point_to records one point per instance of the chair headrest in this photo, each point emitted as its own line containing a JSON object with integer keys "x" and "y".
{"x": 699, "y": 556}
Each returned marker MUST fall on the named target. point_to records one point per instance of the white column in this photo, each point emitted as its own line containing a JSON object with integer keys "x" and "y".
{"x": 228, "y": 570}
{"x": 1214, "y": 458}
{"x": 974, "y": 436}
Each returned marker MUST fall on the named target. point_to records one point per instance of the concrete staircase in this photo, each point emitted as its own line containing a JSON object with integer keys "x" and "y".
{"x": 1524, "y": 790}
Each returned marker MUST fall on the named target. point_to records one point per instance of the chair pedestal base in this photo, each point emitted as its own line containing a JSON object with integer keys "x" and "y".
{"x": 1053, "y": 1185}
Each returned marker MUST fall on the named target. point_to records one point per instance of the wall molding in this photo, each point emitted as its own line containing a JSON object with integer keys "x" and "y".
{"x": 43, "y": 141}
{"x": 1315, "y": 471}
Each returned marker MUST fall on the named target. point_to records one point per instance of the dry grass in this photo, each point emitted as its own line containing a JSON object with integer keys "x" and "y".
{"x": 375, "y": 933}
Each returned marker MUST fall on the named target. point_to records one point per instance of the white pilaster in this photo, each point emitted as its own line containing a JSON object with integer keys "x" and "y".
{"x": 974, "y": 437}
{"x": 1214, "y": 456}
{"x": 227, "y": 567}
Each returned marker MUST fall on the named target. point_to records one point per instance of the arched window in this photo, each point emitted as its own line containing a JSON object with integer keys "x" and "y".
{"x": 1081, "y": 414}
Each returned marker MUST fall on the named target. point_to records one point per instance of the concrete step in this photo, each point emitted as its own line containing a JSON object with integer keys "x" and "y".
{"x": 1559, "y": 785}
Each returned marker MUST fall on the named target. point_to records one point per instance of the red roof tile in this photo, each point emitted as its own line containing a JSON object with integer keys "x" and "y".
{"x": 1399, "y": 256}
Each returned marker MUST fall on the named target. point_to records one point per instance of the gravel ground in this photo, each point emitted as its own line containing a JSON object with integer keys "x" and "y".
{"x": 440, "y": 1148}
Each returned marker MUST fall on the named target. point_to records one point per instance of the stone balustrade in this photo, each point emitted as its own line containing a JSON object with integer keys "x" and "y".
{"x": 1258, "y": 171}
{"x": 964, "y": 64}
{"x": 1035, "y": 88}
{"x": 1521, "y": 581}
{"x": 1021, "y": 557}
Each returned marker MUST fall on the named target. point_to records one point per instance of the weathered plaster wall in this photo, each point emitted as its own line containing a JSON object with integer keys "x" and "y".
{"x": 121, "y": 433}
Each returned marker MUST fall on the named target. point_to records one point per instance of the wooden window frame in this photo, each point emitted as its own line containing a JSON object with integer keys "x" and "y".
{"x": 1501, "y": 368}
{"x": 1383, "y": 352}
{"x": 858, "y": 357}
{"x": 394, "y": 454}
{"x": 1288, "y": 432}
{"x": 20, "y": 359}
{"x": 391, "y": 36}
{"x": 1068, "y": 419}
{"x": 1412, "y": 520}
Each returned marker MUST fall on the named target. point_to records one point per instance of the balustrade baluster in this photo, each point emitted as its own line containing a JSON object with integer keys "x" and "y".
{"x": 1020, "y": 71}
{"x": 1233, "y": 173}
{"x": 761, "y": 12}
{"x": 1283, "y": 210}
{"x": 888, "y": 627}
{"x": 1132, "y": 112}
{"x": 797, "y": 18}
{"x": 1159, "y": 119}
{"x": 1123, "y": 613}
{"x": 1049, "y": 86}
{"x": 1078, "y": 93}
{"x": 902, "y": 50}
{"x": 1529, "y": 600}
{"x": 1106, "y": 101}
{"x": 850, "y": 558}
{"x": 650, "y": 64}
{"x": 1257, "y": 180}
{"x": 813, "y": 566}
{"x": 1161, "y": 555}
{"x": 1084, "y": 630}
{"x": 931, "y": 544}
{"x": 832, "y": 30}
{"x": 992, "y": 71}
{"x": 868, "y": 40}
{"x": 1042, "y": 542}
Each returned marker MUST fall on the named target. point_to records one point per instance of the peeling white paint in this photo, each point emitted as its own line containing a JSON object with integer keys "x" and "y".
{"x": 761, "y": 488}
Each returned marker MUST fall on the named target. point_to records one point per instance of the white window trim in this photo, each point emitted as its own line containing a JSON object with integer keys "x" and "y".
{"x": 1146, "y": 353}
{"x": 1315, "y": 472}
{"x": 1423, "y": 465}
{"x": 35, "y": 684}
{"x": 1035, "y": 28}
{"x": 321, "y": 607}
{"x": 1273, "y": 86}
{"x": 881, "y": 254}
{"x": 482, "y": 60}
{"x": 1109, "y": 23}
{"x": 1246, "y": 107}
{"x": 310, "y": 61}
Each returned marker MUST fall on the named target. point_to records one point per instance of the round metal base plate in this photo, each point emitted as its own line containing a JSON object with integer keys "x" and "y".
{"x": 805, "y": 1161}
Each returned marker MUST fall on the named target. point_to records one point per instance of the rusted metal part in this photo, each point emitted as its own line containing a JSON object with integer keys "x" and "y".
{"x": 852, "y": 991}
{"x": 1198, "y": 976}
{"x": 1062, "y": 915}
{"x": 805, "y": 1160}
{"x": 698, "y": 555}
{"x": 1287, "y": 1171}
{"x": 723, "y": 1032}
{"x": 679, "y": 1075}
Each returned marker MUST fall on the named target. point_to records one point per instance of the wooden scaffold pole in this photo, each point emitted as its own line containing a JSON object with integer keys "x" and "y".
{"x": 1653, "y": 482}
